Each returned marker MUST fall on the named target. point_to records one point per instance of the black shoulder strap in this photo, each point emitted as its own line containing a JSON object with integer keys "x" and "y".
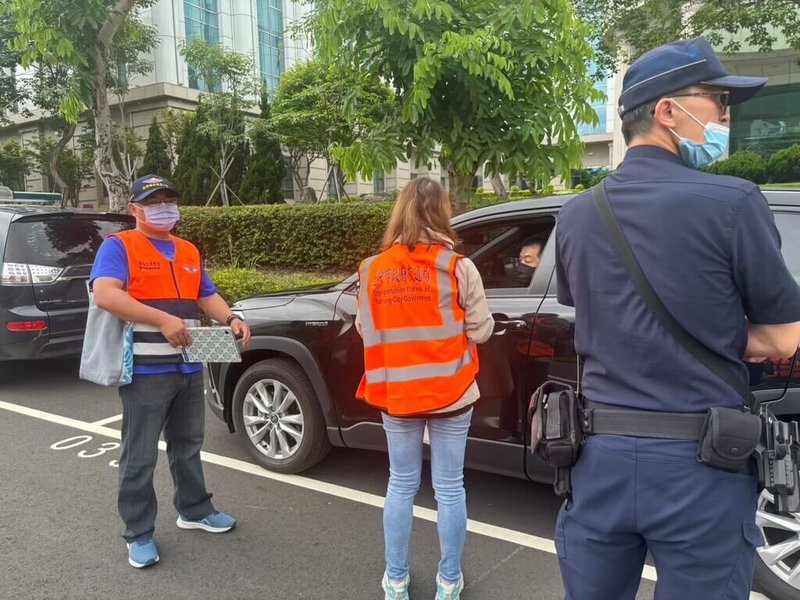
{"x": 620, "y": 243}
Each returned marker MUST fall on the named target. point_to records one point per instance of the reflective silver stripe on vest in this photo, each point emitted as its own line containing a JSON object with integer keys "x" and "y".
{"x": 156, "y": 348}
{"x": 449, "y": 328}
{"x": 401, "y": 374}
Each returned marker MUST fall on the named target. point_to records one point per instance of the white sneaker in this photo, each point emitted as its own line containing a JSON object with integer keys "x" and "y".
{"x": 395, "y": 590}
{"x": 449, "y": 591}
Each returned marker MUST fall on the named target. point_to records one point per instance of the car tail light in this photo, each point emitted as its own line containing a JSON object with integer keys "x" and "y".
{"x": 22, "y": 274}
{"x": 38, "y": 325}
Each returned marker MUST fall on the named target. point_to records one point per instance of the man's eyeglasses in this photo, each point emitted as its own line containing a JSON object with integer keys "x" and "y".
{"x": 722, "y": 98}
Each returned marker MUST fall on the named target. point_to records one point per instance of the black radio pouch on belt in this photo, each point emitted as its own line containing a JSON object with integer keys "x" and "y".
{"x": 554, "y": 413}
{"x": 729, "y": 436}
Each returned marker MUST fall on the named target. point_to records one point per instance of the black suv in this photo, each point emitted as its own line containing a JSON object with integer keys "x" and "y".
{"x": 292, "y": 397}
{"x": 46, "y": 255}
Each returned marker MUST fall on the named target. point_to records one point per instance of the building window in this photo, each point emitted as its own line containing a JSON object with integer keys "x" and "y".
{"x": 270, "y": 41}
{"x": 287, "y": 186}
{"x": 768, "y": 122}
{"x": 378, "y": 182}
{"x": 201, "y": 21}
{"x": 599, "y": 106}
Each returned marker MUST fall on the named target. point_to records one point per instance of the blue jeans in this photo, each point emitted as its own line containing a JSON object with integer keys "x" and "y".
{"x": 448, "y": 436}
{"x": 172, "y": 403}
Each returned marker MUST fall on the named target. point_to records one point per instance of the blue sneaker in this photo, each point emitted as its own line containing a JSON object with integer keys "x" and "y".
{"x": 394, "y": 589}
{"x": 216, "y": 522}
{"x": 142, "y": 553}
{"x": 449, "y": 591}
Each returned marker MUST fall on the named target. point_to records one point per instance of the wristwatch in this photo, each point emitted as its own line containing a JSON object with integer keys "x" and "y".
{"x": 231, "y": 318}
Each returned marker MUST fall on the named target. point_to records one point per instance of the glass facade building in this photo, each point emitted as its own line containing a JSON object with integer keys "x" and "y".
{"x": 768, "y": 122}
{"x": 202, "y": 21}
{"x": 270, "y": 41}
{"x": 601, "y": 107}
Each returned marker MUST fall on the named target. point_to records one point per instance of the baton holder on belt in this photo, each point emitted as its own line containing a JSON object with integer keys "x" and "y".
{"x": 556, "y": 434}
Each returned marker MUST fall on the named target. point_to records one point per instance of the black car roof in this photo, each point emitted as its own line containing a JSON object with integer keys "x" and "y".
{"x": 12, "y": 212}
{"x": 788, "y": 197}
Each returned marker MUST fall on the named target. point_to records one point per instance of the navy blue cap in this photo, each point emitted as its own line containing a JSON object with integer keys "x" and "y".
{"x": 145, "y": 186}
{"x": 676, "y": 66}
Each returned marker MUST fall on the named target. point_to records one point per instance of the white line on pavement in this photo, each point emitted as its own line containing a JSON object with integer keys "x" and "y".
{"x": 331, "y": 489}
{"x": 108, "y": 420}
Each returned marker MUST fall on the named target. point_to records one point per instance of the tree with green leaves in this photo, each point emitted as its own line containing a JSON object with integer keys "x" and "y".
{"x": 10, "y": 92}
{"x": 74, "y": 165}
{"x": 480, "y": 81}
{"x": 320, "y": 107}
{"x": 628, "y": 29}
{"x": 266, "y": 168}
{"x": 230, "y": 77}
{"x": 15, "y": 164}
{"x": 156, "y": 155}
{"x": 86, "y": 43}
{"x": 198, "y": 159}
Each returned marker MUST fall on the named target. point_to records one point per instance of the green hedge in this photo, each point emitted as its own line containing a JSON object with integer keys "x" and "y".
{"x": 784, "y": 165}
{"x": 747, "y": 165}
{"x": 318, "y": 236}
{"x": 236, "y": 283}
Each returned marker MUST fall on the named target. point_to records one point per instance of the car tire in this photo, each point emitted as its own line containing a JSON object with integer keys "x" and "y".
{"x": 768, "y": 579}
{"x": 273, "y": 402}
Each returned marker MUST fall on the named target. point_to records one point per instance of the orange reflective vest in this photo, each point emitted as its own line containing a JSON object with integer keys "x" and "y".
{"x": 169, "y": 285}
{"x": 417, "y": 358}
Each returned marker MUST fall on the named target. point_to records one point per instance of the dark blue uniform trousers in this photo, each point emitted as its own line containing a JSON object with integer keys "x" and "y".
{"x": 631, "y": 495}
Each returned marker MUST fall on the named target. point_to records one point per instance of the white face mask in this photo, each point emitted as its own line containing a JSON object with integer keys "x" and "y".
{"x": 161, "y": 217}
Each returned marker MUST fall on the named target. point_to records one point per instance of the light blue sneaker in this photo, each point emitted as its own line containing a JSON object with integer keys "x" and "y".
{"x": 449, "y": 591}
{"x": 394, "y": 589}
{"x": 142, "y": 553}
{"x": 216, "y": 522}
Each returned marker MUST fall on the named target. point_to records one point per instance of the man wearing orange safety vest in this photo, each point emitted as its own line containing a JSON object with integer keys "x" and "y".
{"x": 158, "y": 282}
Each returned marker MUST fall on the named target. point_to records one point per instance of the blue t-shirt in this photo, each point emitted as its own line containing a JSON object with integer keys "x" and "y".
{"x": 112, "y": 261}
{"x": 709, "y": 247}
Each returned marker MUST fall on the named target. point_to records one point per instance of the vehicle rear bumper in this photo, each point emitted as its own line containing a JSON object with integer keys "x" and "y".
{"x": 39, "y": 347}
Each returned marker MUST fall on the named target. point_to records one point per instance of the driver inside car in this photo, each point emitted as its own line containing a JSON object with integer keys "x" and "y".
{"x": 530, "y": 255}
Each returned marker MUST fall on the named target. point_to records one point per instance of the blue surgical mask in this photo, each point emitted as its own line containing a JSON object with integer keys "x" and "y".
{"x": 162, "y": 217}
{"x": 697, "y": 156}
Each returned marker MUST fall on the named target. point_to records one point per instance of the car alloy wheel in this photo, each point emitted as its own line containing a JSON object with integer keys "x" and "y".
{"x": 273, "y": 419}
{"x": 778, "y": 561}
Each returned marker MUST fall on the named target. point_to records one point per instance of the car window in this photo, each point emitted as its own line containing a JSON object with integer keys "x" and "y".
{"x": 498, "y": 250}
{"x": 60, "y": 241}
{"x": 789, "y": 228}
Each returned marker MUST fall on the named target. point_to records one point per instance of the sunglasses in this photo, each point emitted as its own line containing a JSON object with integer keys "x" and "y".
{"x": 722, "y": 98}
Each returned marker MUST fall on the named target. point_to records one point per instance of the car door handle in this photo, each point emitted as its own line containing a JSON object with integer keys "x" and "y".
{"x": 511, "y": 325}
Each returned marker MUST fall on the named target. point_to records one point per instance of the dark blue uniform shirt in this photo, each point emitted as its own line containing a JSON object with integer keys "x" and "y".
{"x": 710, "y": 248}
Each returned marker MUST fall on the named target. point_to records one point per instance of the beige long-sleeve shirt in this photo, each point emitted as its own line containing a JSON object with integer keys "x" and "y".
{"x": 478, "y": 322}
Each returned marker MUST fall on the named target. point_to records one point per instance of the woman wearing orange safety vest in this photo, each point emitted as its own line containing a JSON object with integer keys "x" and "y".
{"x": 422, "y": 310}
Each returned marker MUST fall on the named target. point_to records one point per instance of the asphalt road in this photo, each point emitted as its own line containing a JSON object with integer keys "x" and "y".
{"x": 316, "y": 536}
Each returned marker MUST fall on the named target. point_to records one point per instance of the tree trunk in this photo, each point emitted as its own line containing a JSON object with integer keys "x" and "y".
{"x": 499, "y": 188}
{"x": 66, "y": 196}
{"x": 114, "y": 181}
{"x": 460, "y": 189}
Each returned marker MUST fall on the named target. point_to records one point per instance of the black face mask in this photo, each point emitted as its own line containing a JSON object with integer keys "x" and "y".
{"x": 524, "y": 270}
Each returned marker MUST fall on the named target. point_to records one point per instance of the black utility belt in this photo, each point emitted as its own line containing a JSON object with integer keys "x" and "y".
{"x": 600, "y": 418}
{"x": 561, "y": 419}
{"x": 726, "y": 437}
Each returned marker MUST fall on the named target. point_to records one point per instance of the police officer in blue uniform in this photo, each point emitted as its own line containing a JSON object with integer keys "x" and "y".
{"x": 709, "y": 247}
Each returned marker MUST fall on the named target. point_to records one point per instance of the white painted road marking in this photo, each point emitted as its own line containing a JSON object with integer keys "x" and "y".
{"x": 426, "y": 514}
{"x": 108, "y": 420}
